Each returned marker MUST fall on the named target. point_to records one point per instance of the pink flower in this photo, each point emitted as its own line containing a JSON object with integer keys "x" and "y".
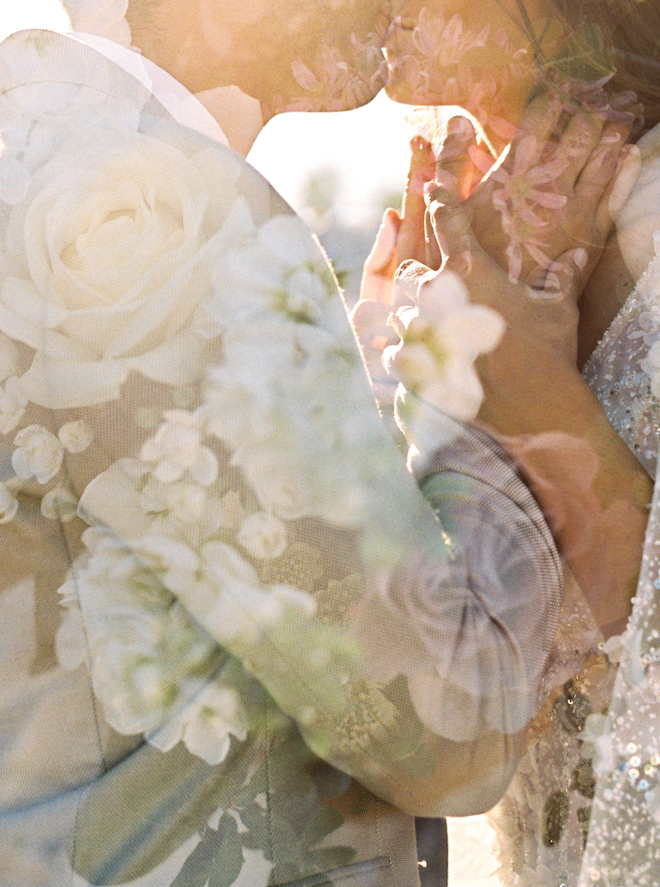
{"x": 446, "y": 42}
{"x": 525, "y": 189}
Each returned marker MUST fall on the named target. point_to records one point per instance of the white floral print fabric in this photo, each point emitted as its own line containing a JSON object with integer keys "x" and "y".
{"x": 219, "y": 547}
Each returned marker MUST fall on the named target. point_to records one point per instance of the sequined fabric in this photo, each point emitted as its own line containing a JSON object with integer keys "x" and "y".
{"x": 575, "y": 771}
{"x": 618, "y": 371}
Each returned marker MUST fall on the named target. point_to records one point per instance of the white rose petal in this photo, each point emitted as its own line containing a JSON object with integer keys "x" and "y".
{"x": 39, "y": 454}
{"x": 13, "y": 403}
{"x": 76, "y": 437}
{"x": 263, "y": 536}
{"x": 8, "y": 357}
{"x": 8, "y": 505}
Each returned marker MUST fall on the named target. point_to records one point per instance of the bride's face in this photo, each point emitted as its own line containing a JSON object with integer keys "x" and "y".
{"x": 473, "y": 53}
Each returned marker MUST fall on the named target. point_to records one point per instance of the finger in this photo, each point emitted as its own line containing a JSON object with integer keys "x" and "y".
{"x": 378, "y": 275}
{"x": 384, "y": 250}
{"x": 412, "y": 240}
{"x": 601, "y": 164}
{"x": 433, "y": 251}
{"x": 581, "y": 137}
{"x": 539, "y": 125}
{"x": 565, "y": 277}
{"x": 628, "y": 169}
{"x": 407, "y": 279}
{"x": 452, "y": 226}
{"x": 455, "y": 158}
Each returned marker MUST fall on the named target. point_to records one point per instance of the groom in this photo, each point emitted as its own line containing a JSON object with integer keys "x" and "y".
{"x": 229, "y": 497}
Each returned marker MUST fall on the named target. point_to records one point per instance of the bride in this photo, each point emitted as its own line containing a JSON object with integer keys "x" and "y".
{"x": 588, "y": 777}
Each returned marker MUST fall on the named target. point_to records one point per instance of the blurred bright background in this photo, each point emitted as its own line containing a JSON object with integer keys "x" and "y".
{"x": 340, "y": 171}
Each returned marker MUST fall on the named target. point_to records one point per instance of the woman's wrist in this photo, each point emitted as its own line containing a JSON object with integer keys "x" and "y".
{"x": 592, "y": 490}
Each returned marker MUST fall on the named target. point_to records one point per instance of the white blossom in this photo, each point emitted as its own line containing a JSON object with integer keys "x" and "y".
{"x": 76, "y": 436}
{"x": 263, "y": 536}
{"x": 38, "y": 454}
{"x": 177, "y": 450}
{"x": 441, "y": 337}
{"x": 8, "y": 505}
{"x": 59, "y": 504}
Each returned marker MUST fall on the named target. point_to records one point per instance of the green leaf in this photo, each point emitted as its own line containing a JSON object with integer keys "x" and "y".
{"x": 584, "y": 55}
{"x": 229, "y": 858}
{"x": 134, "y": 818}
{"x": 330, "y": 782}
{"x": 197, "y": 867}
{"x": 257, "y": 837}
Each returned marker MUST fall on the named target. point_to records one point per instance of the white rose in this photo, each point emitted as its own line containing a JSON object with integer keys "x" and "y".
{"x": 112, "y": 249}
{"x": 39, "y": 454}
{"x": 263, "y": 536}
{"x": 76, "y": 436}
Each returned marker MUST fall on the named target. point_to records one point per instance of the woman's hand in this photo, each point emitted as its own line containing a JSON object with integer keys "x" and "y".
{"x": 401, "y": 236}
{"x": 560, "y": 185}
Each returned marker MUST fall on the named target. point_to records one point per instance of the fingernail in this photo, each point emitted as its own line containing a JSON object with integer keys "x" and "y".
{"x": 418, "y": 143}
{"x": 581, "y": 258}
{"x": 460, "y": 127}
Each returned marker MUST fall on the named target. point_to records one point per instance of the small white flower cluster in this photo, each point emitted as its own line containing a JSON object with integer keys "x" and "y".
{"x": 441, "y": 335}
{"x": 39, "y": 454}
{"x": 163, "y": 569}
{"x": 152, "y": 668}
{"x": 290, "y": 365}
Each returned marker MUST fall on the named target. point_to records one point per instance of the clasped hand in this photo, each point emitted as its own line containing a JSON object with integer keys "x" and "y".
{"x": 524, "y": 241}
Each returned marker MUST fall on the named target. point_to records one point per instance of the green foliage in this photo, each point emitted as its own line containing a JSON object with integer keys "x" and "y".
{"x": 584, "y": 55}
{"x": 217, "y": 859}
